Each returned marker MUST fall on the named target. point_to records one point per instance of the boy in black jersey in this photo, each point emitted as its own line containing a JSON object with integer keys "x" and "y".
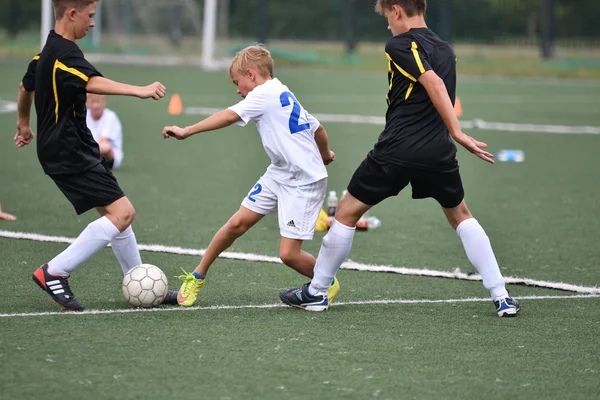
{"x": 416, "y": 147}
{"x": 60, "y": 77}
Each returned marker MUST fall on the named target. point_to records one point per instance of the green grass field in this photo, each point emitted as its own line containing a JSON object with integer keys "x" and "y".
{"x": 541, "y": 215}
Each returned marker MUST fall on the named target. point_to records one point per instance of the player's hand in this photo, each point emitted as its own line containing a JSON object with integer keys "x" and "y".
{"x": 174, "y": 131}
{"x": 24, "y": 135}
{"x": 155, "y": 91}
{"x": 474, "y": 146}
{"x": 328, "y": 158}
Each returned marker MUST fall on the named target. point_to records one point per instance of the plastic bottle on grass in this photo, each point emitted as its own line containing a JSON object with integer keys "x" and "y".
{"x": 332, "y": 203}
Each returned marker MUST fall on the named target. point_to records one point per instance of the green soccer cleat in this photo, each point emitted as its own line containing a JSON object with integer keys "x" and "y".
{"x": 333, "y": 290}
{"x": 188, "y": 293}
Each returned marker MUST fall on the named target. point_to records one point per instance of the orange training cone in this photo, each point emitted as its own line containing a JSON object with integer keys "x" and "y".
{"x": 458, "y": 107}
{"x": 175, "y": 105}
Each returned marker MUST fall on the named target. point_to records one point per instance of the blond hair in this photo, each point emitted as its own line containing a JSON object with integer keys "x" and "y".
{"x": 256, "y": 57}
{"x": 410, "y": 7}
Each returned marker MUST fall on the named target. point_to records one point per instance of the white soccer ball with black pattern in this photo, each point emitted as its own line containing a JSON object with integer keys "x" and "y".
{"x": 145, "y": 286}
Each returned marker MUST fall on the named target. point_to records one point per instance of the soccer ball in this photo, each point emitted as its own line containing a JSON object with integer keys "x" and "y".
{"x": 145, "y": 286}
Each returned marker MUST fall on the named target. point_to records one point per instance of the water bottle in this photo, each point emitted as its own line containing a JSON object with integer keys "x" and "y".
{"x": 363, "y": 222}
{"x": 511, "y": 156}
{"x": 332, "y": 203}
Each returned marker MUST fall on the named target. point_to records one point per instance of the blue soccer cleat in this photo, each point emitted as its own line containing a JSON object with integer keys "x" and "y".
{"x": 300, "y": 298}
{"x": 507, "y": 307}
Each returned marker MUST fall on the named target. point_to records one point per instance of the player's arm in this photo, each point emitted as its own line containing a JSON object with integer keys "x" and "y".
{"x": 24, "y": 135}
{"x": 102, "y": 85}
{"x": 436, "y": 89}
{"x": 322, "y": 141}
{"x": 216, "y": 121}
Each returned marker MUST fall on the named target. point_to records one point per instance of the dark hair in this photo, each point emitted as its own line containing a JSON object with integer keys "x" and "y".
{"x": 410, "y": 7}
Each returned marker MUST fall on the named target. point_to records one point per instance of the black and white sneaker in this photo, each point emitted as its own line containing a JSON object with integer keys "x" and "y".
{"x": 507, "y": 307}
{"x": 57, "y": 287}
{"x": 301, "y": 298}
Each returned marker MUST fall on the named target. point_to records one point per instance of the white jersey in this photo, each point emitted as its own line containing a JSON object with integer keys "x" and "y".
{"x": 108, "y": 126}
{"x": 287, "y": 132}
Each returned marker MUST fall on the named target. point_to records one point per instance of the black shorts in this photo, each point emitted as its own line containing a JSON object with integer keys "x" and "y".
{"x": 374, "y": 181}
{"x": 96, "y": 187}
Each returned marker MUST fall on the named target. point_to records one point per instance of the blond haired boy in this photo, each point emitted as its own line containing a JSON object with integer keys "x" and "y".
{"x": 295, "y": 182}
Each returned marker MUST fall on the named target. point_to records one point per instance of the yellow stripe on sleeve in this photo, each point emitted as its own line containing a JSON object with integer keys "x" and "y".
{"x": 409, "y": 91}
{"x": 417, "y": 58}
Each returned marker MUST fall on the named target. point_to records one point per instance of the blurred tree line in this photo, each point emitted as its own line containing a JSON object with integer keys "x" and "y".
{"x": 464, "y": 20}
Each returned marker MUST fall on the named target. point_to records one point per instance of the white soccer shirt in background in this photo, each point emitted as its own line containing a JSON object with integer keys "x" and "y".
{"x": 287, "y": 132}
{"x": 108, "y": 126}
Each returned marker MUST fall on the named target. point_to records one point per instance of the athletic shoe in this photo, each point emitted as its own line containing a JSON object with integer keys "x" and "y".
{"x": 171, "y": 298}
{"x": 57, "y": 287}
{"x": 333, "y": 290}
{"x": 188, "y": 293}
{"x": 300, "y": 298}
{"x": 507, "y": 307}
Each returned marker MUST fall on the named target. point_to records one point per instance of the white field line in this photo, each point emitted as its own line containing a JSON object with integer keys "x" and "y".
{"x": 280, "y": 305}
{"x": 350, "y": 265}
{"x": 7, "y": 107}
{"x": 473, "y": 124}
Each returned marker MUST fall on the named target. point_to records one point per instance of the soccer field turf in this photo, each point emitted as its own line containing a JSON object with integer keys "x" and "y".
{"x": 390, "y": 336}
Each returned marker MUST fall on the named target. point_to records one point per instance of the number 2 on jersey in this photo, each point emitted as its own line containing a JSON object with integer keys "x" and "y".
{"x": 285, "y": 99}
{"x": 257, "y": 189}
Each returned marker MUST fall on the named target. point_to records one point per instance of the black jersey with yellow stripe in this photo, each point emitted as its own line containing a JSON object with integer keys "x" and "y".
{"x": 59, "y": 75}
{"x": 415, "y": 134}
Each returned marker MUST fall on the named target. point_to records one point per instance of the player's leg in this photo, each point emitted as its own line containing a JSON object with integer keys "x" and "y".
{"x": 94, "y": 188}
{"x": 480, "y": 253}
{"x": 259, "y": 202}
{"x": 448, "y": 190}
{"x": 6, "y": 216}
{"x": 124, "y": 245}
{"x": 298, "y": 209}
{"x": 291, "y": 254}
{"x": 371, "y": 183}
{"x": 238, "y": 224}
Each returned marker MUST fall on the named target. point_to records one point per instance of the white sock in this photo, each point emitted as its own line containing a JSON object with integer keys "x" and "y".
{"x": 126, "y": 250}
{"x": 93, "y": 239}
{"x": 334, "y": 251}
{"x": 479, "y": 251}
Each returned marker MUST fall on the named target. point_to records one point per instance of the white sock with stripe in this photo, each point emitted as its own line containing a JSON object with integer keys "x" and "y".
{"x": 126, "y": 250}
{"x": 94, "y": 238}
{"x": 334, "y": 251}
{"x": 479, "y": 252}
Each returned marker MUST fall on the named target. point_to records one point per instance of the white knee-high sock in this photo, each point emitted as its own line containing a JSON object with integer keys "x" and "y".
{"x": 334, "y": 250}
{"x": 94, "y": 238}
{"x": 479, "y": 251}
{"x": 126, "y": 250}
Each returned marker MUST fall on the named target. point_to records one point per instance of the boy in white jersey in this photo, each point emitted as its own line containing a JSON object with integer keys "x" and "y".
{"x": 106, "y": 129}
{"x": 294, "y": 183}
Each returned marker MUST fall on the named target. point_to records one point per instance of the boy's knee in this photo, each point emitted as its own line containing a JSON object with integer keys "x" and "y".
{"x": 128, "y": 215}
{"x": 457, "y": 215}
{"x": 288, "y": 256}
{"x": 237, "y": 225}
